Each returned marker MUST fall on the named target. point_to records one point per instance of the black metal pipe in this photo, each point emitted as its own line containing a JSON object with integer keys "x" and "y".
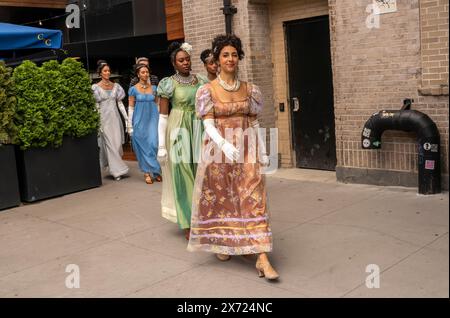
{"x": 427, "y": 137}
{"x": 84, "y": 8}
{"x": 228, "y": 10}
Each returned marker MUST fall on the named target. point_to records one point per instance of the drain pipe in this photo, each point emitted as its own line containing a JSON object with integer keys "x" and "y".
{"x": 228, "y": 10}
{"x": 427, "y": 137}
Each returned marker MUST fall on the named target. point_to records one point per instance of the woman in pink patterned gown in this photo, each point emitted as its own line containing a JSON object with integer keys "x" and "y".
{"x": 229, "y": 213}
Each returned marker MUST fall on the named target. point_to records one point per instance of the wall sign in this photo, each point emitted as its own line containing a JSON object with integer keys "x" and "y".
{"x": 385, "y": 6}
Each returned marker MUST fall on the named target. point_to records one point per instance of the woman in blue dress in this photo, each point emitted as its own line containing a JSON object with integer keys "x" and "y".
{"x": 144, "y": 115}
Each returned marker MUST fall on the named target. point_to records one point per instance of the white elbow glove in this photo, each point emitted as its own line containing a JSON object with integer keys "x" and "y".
{"x": 227, "y": 148}
{"x": 97, "y": 108}
{"x": 263, "y": 157}
{"x": 129, "y": 123}
{"x": 122, "y": 110}
{"x": 162, "y": 127}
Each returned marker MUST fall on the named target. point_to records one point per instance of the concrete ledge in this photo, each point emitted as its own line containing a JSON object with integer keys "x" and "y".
{"x": 382, "y": 177}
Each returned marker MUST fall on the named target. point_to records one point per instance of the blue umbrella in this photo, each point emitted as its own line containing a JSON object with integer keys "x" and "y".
{"x": 16, "y": 37}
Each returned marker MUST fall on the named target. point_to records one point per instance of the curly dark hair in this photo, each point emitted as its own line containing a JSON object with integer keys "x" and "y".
{"x": 223, "y": 40}
{"x": 100, "y": 65}
{"x": 138, "y": 68}
{"x": 173, "y": 49}
{"x": 204, "y": 55}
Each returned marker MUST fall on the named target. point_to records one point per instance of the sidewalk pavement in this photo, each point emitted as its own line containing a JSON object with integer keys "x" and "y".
{"x": 325, "y": 235}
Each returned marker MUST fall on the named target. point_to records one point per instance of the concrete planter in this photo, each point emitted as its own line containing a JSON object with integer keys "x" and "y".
{"x": 49, "y": 172}
{"x": 9, "y": 184}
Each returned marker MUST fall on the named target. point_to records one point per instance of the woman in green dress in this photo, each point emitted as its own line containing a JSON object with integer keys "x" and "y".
{"x": 180, "y": 137}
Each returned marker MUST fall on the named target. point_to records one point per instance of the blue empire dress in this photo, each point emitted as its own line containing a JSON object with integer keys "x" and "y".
{"x": 145, "y": 131}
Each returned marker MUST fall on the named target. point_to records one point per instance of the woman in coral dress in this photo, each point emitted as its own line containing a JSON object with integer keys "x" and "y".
{"x": 229, "y": 214}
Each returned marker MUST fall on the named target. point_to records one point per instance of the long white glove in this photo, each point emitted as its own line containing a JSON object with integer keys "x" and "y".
{"x": 162, "y": 127}
{"x": 227, "y": 148}
{"x": 97, "y": 107}
{"x": 129, "y": 123}
{"x": 123, "y": 111}
{"x": 263, "y": 157}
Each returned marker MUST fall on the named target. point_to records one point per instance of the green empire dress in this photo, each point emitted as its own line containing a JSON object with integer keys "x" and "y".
{"x": 183, "y": 143}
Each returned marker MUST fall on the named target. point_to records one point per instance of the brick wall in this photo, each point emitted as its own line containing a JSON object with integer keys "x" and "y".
{"x": 434, "y": 42}
{"x": 251, "y": 25}
{"x": 375, "y": 69}
{"x": 203, "y": 20}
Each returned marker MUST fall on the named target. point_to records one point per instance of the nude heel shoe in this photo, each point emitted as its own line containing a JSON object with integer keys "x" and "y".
{"x": 148, "y": 178}
{"x": 223, "y": 257}
{"x": 266, "y": 270}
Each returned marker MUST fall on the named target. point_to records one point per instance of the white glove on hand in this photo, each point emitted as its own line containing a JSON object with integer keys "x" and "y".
{"x": 122, "y": 110}
{"x": 227, "y": 148}
{"x": 230, "y": 151}
{"x": 129, "y": 122}
{"x": 162, "y": 127}
{"x": 263, "y": 157}
{"x": 129, "y": 128}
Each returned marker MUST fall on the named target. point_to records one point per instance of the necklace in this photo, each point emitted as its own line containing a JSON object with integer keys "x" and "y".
{"x": 144, "y": 86}
{"x": 106, "y": 83}
{"x": 186, "y": 80}
{"x": 229, "y": 88}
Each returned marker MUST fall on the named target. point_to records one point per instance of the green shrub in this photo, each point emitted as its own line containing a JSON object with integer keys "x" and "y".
{"x": 53, "y": 100}
{"x": 8, "y": 103}
{"x": 81, "y": 116}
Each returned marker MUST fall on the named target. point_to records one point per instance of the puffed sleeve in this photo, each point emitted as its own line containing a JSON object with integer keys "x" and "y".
{"x": 132, "y": 91}
{"x": 120, "y": 93}
{"x": 203, "y": 102}
{"x": 96, "y": 93}
{"x": 165, "y": 88}
{"x": 256, "y": 100}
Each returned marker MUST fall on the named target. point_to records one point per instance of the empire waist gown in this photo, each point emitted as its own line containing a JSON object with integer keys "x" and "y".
{"x": 145, "y": 131}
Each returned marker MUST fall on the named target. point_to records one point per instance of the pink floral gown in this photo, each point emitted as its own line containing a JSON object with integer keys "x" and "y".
{"x": 229, "y": 212}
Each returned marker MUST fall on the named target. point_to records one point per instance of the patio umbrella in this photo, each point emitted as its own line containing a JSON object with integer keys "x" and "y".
{"x": 16, "y": 37}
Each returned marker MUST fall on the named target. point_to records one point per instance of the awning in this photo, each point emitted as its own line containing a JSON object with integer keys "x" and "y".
{"x": 17, "y": 37}
{"x": 38, "y": 57}
{"x": 147, "y": 45}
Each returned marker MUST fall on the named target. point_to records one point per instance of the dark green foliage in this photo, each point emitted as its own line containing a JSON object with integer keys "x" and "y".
{"x": 8, "y": 103}
{"x": 53, "y": 100}
{"x": 81, "y": 116}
